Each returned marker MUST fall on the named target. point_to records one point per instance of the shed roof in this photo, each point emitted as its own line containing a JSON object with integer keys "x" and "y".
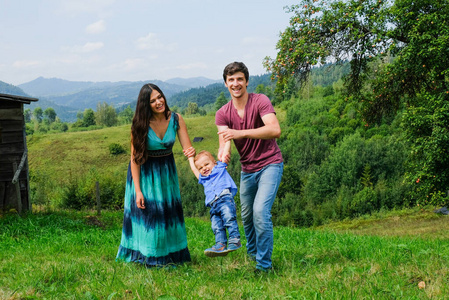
{"x": 16, "y": 98}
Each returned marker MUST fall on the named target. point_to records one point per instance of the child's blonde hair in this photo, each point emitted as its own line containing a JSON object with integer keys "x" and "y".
{"x": 204, "y": 153}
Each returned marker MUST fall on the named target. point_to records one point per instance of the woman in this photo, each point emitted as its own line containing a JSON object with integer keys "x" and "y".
{"x": 153, "y": 227}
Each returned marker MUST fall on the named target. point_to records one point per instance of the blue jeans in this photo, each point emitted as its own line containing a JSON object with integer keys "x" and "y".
{"x": 223, "y": 215}
{"x": 257, "y": 193}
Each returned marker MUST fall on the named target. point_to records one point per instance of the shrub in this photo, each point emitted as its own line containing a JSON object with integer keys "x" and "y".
{"x": 116, "y": 149}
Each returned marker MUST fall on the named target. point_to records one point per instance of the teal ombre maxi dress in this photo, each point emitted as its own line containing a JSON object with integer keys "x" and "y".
{"x": 156, "y": 235}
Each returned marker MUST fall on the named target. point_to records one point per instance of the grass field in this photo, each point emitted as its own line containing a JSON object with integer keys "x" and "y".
{"x": 63, "y": 254}
{"x": 71, "y": 255}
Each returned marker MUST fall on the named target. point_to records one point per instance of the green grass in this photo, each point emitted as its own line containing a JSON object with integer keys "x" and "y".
{"x": 56, "y": 254}
{"x": 71, "y": 255}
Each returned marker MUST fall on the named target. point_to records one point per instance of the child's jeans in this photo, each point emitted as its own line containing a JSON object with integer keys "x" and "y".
{"x": 223, "y": 216}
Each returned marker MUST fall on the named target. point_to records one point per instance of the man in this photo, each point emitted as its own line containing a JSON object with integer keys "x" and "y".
{"x": 250, "y": 120}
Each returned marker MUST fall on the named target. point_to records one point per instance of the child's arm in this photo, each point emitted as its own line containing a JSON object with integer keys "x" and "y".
{"x": 193, "y": 167}
{"x": 226, "y": 151}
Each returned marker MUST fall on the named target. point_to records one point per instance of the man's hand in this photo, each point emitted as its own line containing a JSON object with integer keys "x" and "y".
{"x": 230, "y": 134}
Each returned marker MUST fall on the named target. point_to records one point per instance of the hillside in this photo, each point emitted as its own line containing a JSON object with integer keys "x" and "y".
{"x": 6, "y": 88}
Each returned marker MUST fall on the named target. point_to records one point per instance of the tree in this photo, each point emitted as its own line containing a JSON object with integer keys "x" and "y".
{"x": 126, "y": 116}
{"x": 37, "y": 113}
{"x": 27, "y": 115}
{"x": 88, "y": 117}
{"x": 221, "y": 100}
{"x": 192, "y": 108}
{"x": 106, "y": 115}
{"x": 50, "y": 114}
{"x": 399, "y": 56}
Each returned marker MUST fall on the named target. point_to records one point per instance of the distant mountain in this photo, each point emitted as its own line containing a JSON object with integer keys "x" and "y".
{"x": 69, "y": 97}
{"x": 49, "y": 87}
{"x": 6, "y": 88}
{"x": 207, "y": 95}
{"x": 193, "y": 82}
{"x": 44, "y": 87}
{"x": 115, "y": 95}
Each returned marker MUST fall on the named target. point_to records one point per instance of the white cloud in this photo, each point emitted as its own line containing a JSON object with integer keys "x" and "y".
{"x": 26, "y": 63}
{"x": 151, "y": 42}
{"x": 132, "y": 63}
{"x": 96, "y": 28}
{"x": 86, "y": 48}
{"x": 192, "y": 66}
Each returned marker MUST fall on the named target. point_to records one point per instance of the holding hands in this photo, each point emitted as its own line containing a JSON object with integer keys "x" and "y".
{"x": 189, "y": 152}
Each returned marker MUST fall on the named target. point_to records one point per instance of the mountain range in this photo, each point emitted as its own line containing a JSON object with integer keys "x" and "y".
{"x": 67, "y": 98}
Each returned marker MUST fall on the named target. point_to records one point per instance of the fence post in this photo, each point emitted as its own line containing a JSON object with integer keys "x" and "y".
{"x": 97, "y": 186}
{"x": 17, "y": 186}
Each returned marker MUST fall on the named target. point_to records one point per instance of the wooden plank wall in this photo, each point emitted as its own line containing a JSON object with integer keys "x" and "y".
{"x": 12, "y": 145}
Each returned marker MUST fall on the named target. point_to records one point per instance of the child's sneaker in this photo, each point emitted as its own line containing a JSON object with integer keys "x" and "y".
{"x": 218, "y": 249}
{"x": 234, "y": 246}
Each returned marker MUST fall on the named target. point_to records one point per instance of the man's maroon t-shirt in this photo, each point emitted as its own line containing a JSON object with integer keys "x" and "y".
{"x": 254, "y": 153}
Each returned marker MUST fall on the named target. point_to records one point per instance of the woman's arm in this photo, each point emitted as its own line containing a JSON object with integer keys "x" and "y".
{"x": 135, "y": 171}
{"x": 184, "y": 139}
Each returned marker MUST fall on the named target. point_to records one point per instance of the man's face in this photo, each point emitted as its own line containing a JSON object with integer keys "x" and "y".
{"x": 236, "y": 84}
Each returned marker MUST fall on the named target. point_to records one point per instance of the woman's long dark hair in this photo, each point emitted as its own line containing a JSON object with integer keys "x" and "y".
{"x": 141, "y": 122}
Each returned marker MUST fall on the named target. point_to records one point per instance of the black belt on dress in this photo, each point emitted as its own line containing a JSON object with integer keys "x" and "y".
{"x": 159, "y": 153}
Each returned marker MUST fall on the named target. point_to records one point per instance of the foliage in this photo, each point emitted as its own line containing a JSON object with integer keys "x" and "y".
{"x": 221, "y": 100}
{"x": 428, "y": 132}
{"x": 37, "y": 114}
{"x": 27, "y": 114}
{"x": 106, "y": 115}
{"x": 192, "y": 108}
{"x": 81, "y": 193}
{"x": 116, "y": 149}
{"x": 50, "y": 114}
{"x": 126, "y": 115}
{"x": 398, "y": 52}
{"x": 89, "y": 118}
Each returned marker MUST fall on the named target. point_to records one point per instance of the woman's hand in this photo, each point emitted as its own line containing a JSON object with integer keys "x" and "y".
{"x": 189, "y": 152}
{"x": 140, "y": 200}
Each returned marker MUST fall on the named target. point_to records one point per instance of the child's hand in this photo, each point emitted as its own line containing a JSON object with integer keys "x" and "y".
{"x": 226, "y": 158}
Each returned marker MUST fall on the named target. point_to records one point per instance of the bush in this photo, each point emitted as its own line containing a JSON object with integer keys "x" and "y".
{"x": 116, "y": 149}
{"x": 81, "y": 193}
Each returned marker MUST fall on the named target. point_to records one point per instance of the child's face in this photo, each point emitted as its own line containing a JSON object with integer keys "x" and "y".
{"x": 205, "y": 164}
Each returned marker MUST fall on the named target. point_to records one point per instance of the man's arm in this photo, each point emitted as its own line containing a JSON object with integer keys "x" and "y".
{"x": 270, "y": 130}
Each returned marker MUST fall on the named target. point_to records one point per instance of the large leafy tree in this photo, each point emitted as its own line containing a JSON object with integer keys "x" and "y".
{"x": 106, "y": 115}
{"x": 38, "y": 113}
{"x": 399, "y": 56}
{"x": 50, "y": 114}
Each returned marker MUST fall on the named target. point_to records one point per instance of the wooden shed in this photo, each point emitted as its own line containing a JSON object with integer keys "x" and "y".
{"x": 14, "y": 176}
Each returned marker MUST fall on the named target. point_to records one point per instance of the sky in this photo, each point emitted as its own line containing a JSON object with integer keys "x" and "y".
{"x": 136, "y": 40}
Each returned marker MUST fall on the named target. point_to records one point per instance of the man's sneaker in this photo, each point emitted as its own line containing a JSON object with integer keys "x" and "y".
{"x": 261, "y": 270}
{"x": 234, "y": 246}
{"x": 218, "y": 249}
